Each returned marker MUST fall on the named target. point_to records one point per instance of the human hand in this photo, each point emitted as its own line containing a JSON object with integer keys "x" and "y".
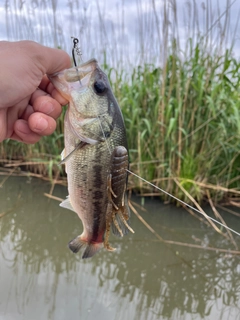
{"x": 29, "y": 104}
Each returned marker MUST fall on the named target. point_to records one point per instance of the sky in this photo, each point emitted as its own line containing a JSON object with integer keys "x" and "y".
{"x": 129, "y": 31}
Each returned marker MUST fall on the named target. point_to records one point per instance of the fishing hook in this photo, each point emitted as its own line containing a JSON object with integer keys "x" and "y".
{"x": 79, "y": 53}
{"x": 77, "y": 49}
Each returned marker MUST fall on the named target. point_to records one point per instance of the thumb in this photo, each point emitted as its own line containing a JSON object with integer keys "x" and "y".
{"x": 54, "y": 60}
{"x": 48, "y": 60}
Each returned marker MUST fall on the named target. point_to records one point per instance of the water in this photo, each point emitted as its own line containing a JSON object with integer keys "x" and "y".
{"x": 144, "y": 279}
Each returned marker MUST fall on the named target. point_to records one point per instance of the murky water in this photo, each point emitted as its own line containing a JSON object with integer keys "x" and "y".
{"x": 144, "y": 279}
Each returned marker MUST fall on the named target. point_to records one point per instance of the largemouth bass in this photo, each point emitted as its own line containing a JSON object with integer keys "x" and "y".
{"x": 95, "y": 156}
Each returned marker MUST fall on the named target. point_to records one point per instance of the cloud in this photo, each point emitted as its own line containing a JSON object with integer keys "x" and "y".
{"x": 134, "y": 32}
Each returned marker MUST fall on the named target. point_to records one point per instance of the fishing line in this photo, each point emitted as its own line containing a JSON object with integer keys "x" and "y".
{"x": 167, "y": 193}
{"x": 188, "y": 205}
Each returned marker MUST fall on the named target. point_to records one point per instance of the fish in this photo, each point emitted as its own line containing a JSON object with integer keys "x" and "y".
{"x": 95, "y": 156}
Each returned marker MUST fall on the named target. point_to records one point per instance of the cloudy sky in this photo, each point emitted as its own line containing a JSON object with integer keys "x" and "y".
{"x": 125, "y": 30}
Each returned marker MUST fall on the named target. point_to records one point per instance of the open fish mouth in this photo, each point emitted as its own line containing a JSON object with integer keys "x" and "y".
{"x": 73, "y": 74}
{"x": 74, "y": 78}
{"x": 79, "y": 73}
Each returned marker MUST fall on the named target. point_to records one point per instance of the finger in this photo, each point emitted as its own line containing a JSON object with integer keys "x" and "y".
{"x": 37, "y": 93}
{"x": 42, "y": 124}
{"x": 47, "y": 105}
{"x": 27, "y": 112}
{"x": 3, "y": 124}
{"x": 56, "y": 95}
{"x": 55, "y": 60}
{"x": 48, "y": 87}
{"x": 22, "y": 110}
{"x": 23, "y": 133}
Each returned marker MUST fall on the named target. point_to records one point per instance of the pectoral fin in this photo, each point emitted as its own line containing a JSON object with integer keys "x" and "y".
{"x": 65, "y": 158}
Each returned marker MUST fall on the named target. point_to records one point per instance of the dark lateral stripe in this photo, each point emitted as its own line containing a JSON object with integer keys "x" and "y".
{"x": 98, "y": 201}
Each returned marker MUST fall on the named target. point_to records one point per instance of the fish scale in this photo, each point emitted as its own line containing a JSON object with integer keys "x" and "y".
{"x": 93, "y": 131}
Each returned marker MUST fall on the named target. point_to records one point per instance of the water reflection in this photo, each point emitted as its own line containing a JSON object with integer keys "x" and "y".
{"x": 145, "y": 279}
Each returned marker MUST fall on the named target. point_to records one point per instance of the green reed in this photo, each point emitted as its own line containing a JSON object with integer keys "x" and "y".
{"x": 183, "y": 123}
{"x": 181, "y": 110}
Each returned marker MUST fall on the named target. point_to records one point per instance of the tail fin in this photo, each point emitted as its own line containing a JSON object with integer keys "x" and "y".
{"x": 91, "y": 248}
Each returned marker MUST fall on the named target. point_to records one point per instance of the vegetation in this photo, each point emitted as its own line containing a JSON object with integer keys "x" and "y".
{"x": 183, "y": 124}
{"x": 181, "y": 114}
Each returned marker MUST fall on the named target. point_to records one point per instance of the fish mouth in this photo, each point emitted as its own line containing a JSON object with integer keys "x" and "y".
{"x": 73, "y": 78}
{"x": 87, "y": 63}
{"x": 78, "y": 73}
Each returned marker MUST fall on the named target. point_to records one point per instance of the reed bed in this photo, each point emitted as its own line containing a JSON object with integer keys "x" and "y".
{"x": 180, "y": 99}
{"x": 185, "y": 137}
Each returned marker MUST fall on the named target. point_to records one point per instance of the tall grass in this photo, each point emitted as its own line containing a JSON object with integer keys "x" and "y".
{"x": 187, "y": 133}
{"x": 180, "y": 100}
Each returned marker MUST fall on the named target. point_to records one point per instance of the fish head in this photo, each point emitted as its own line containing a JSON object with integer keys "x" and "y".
{"x": 90, "y": 97}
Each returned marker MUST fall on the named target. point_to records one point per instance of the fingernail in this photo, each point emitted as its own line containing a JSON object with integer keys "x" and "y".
{"x": 41, "y": 125}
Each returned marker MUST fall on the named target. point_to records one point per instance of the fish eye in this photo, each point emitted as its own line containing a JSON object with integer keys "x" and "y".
{"x": 99, "y": 86}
